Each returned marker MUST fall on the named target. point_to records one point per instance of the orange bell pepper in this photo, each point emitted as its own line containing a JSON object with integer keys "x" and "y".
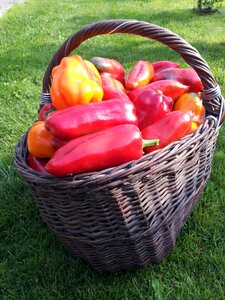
{"x": 191, "y": 102}
{"x": 39, "y": 141}
{"x": 75, "y": 81}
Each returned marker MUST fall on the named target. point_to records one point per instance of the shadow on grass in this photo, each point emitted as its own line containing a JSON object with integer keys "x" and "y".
{"x": 36, "y": 57}
{"x": 141, "y": 47}
{"x": 35, "y": 261}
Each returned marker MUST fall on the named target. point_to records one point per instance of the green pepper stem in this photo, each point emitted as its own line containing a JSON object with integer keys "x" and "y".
{"x": 147, "y": 143}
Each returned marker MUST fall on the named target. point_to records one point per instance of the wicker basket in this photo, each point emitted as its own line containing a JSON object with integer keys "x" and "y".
{"x": 129, "y": 216}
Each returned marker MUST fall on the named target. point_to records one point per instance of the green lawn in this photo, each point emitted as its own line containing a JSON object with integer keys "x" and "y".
{"x": 33, "y": 264}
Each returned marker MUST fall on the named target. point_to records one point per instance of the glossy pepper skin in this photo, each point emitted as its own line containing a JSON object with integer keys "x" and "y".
{"x": 170, "y": 88}
{"x": 164, "y": 64}
{"x": 97, "y": 151}
{"x": 152, "y": 106}
{"x": 95, "y": 76}
{"x": 112, "y": 88}
{"x": 57, "y": 142}
{"x": 191, "y": 102}
{"x": 172, "y": 127}
{"x": 186, "y": 76}
{"x": 140, "y": 75}
{"x": 45, "y": 110}
{"x": 83, "y": 119}
{"x": 109, "y": 66}
{"x": 39, "y": 141}
{"x": 75, "y": 81}
{"x": 36, "y": 164}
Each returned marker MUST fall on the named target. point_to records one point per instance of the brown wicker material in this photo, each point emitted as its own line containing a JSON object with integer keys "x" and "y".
{"x": 130, "y": 215}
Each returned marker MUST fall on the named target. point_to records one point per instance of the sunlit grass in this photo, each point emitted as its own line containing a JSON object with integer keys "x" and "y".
{"x": 33, "y": 264}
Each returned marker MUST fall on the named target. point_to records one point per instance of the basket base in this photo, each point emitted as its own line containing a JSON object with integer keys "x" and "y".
{"x": 124, "y": 254}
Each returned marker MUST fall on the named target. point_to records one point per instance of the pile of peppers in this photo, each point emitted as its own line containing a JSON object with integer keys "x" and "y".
{"x": 102, "y": 116}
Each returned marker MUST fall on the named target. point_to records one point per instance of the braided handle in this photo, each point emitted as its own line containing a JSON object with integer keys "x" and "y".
{"x": 212, "y": 98}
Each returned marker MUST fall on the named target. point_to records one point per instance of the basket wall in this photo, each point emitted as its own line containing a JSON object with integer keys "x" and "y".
{"x": 131, "y": 217}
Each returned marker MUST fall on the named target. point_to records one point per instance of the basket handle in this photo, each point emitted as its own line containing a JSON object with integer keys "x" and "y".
{"x": 212, "y": 98}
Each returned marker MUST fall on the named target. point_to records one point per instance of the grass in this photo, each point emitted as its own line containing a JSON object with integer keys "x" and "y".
{"x": 33, "y": 264}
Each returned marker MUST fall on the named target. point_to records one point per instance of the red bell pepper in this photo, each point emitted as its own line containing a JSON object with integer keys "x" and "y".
{"x": 186, "y": 76}
{"x": 110, "y": 66}
{"x": 37, "y": 164}
{"x": 112, "y": 88}
{"x": 98, "y": 151}
{"x": 140, "y": 75}
{"x": 151, "y": 107}
{"x": 164, "y": 64}
{"x": 78, "y": 120}
{"x": 45, "y": 110}
{"x": 172, "y": 127}
{"x": 170, "y": 88}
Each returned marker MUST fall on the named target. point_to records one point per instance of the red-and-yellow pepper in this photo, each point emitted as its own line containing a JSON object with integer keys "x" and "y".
{"x": 75, "y": 81}
{"x": 140, "y": 75}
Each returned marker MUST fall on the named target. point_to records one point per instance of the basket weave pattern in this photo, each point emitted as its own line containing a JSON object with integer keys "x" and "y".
{"x": 130, "y": 215}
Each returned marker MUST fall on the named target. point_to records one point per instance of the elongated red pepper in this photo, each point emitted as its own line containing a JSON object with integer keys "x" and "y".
{"x": 140, "y": 75}
{"x": 152, "y": 106}
{"x": 109, "y": 66}
{"x": 62, "y": 150}
{"x": 186, "y": 76}
{"x": 164, "y": 64}
{"x": 98, "y": 151}
{"x": 37, "y": 164}
{"x": 172, "y": 127}
{"x": 45, "y": 110}
{"x": 78, "y": 120}
{"x": 170, "y": 88}
{"x": 112, "y": 88}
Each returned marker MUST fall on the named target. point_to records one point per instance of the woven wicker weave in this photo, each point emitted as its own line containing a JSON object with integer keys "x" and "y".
{"x": 130, "y": 215}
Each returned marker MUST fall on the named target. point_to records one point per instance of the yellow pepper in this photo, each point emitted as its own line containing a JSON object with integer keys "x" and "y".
{"x": 194, "y": 127}
{"x": 75, "y": 81}
{"x": 39, "y": 141}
